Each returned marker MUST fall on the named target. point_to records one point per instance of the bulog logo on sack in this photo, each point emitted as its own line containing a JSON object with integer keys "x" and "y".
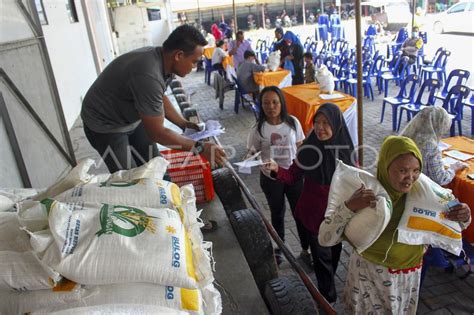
{"x": 123, "y": 220}
{"x": 119, "y": 184}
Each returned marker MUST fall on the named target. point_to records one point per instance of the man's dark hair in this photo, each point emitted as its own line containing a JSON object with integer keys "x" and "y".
{"x": 220, "y": 43}
{"x": 308, "y": 55}
{"x": 239, "y": 33}
{"x": 248, "y": 53}
{"x": 185, "y": 38}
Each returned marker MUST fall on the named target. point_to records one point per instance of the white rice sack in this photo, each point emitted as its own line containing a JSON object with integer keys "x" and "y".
{"x": 33, "y": 215}
{"x": 49, "y": 301}
{"x": 12, "y": 302}
{"x": 146, "y": 192}
{"x": 6, "y": 203}
{"x": 12, "y": 238}
{"x": 21, "y": 271}
{"x": 273, "y": 60}
{"x": 104, "y": 244}
{"x": 114, "y": 309}
{"x": 79, "y": 175}
{"x": 424, "y": 221}
{"x": 345, "y": 181}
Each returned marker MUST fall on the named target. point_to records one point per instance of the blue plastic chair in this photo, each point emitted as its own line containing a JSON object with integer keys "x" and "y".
{"x": 405, "y": 95}
{"x": 439, "y": 67}
{"x": 394, "y": 47}
{"x": 366, "y": 82}
{"x": 337, "y": 32}
{"x": 208, "y": 69}
{"x": 323, "y": 19}
{"x": 377, "y": 71}
{"x": 456, "y": 77}
{"x": 469, "y": 102}
{"x": 371, "y": 30}
{"x": 398, "y": 73}
{"x": 323, "y": 33}
{"x": 341, "y": 74}
{"x": 453, "y": 103}
{"x": 430, "y": 85}
{"x": 244, "y": 98}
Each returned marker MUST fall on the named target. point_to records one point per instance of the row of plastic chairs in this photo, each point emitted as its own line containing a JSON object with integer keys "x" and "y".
{"x": 454, "y": 95}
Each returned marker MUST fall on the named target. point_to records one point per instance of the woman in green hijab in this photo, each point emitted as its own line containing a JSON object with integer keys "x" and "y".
{"x": 385, "y": 278}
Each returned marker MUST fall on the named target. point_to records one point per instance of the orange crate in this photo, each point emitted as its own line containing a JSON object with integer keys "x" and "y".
{"x": 185, "y": 168}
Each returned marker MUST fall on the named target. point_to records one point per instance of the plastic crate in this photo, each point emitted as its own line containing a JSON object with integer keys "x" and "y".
{"x": 185, "y": 168}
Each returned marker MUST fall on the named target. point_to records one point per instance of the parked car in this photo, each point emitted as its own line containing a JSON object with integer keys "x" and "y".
{"x": 458, "y": 18}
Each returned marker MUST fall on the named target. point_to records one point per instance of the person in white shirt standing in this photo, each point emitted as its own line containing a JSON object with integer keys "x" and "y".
{"x": 277, "y": 135}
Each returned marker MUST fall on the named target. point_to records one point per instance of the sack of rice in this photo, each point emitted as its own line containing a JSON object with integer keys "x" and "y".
{"x": 424, "y": 220}
{"x": 73, "y": 297}
{"x": 104, "y": 244}
{"x": 79, "y": 175}
{"x": 345, "y": 181}
{"x": 145, "y": 192}
{"x": 20, "y": 270}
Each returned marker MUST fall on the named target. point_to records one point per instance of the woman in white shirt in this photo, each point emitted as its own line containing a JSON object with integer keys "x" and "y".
{"x": 277, "y": 135}
{"x": 218, "y": 56}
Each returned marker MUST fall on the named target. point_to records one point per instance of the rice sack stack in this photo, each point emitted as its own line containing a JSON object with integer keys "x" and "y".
{"x": 424, "y": 220}
{"x": 93, "y": 244}
{"x": 367, "y": 224}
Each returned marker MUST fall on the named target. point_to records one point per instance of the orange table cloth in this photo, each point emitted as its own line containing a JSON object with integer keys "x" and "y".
{"x": 463, "y": 187}
{"x": 270, "y": 78}
{"x": 302, "y": 101}
{"x": 208, "y": 51}
{"x": 227, "y": 61}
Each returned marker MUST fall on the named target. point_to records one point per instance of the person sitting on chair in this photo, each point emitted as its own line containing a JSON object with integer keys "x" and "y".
{"x": 411, "y": 46}
{"x": 309, "y": 67}
{"x": 218, "y": 56}
{"x": 246, "y": 70}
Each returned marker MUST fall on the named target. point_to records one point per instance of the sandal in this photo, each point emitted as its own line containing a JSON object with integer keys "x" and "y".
{"x": 209, "y": 226}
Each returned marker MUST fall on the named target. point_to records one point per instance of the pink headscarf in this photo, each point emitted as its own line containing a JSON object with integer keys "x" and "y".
{"x": 216, "y": 32}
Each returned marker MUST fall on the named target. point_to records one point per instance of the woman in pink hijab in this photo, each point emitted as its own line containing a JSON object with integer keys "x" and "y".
{"x": 216, "y": 32}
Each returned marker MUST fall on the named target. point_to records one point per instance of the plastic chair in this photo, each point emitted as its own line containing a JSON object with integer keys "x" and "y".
{"x": 398, "y": 73}
{"x": 469, "y": 102}
{"x": 458, "y": 76}
{"x": 208, "y": 69}
{"x": 366, "y": 82}
{"x": 371, "y": 30}
{"x": 439, "y": 67}
{"x": 430, "y": 85}
{"x": 243, "y": 97}
{"x": 405, "y": 95}
{"x": 377, "y": 71}
{"x": 341, "y": 74}
{"x": 323, "y": 33}
{"x": 454, "y": 103}
{"x": 323, "y": 19}
{"x": 394, "y": 47}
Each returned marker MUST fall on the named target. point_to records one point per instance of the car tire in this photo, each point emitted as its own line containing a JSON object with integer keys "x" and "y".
{"x": 228, "y": 190}
{"x": 256, "y": 244}
{"x": 438, "y": 28}
{"x": 288, "y": 295}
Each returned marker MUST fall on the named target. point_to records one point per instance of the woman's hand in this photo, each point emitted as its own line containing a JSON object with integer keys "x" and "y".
{"x": 360, "y": 199}
{"x": 459, "y": 213}
{"x": 271, "y": 166}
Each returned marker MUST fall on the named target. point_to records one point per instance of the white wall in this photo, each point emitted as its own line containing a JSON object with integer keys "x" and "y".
{"x": 71, "y": 56}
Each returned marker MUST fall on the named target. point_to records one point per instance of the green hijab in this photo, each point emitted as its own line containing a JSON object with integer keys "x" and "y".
{"x": 393, "y": 147}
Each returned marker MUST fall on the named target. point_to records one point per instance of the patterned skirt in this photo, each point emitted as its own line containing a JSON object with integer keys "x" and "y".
{"x": 375, "y": 289}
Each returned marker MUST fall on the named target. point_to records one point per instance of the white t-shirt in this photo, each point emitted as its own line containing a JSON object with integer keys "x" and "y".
{"x": 218, "y": 55}
{"x": 277, "y": 142}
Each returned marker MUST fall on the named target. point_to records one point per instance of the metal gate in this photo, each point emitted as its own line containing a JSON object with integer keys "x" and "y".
{"x": 35, "y": 148}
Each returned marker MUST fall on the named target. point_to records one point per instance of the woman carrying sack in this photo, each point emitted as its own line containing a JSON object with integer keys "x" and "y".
{"x": 316, "y": 163}
{"x": 385, "y": 278}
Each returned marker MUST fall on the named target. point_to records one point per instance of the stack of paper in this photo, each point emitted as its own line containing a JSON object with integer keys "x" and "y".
{"x": 443, "y": 146}
{"x": 330, "y": 96}
{"x": 447, "y": 161}
{"x": 459, "y": 155}
{"x": 212, "y": 128}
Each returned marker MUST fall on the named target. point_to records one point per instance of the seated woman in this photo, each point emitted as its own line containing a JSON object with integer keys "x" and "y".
{"x": 316, "y": 163}
{"x": 218, "y": 56}
{"x": 385, "y": 278}
{"x": 426, "y": 130}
